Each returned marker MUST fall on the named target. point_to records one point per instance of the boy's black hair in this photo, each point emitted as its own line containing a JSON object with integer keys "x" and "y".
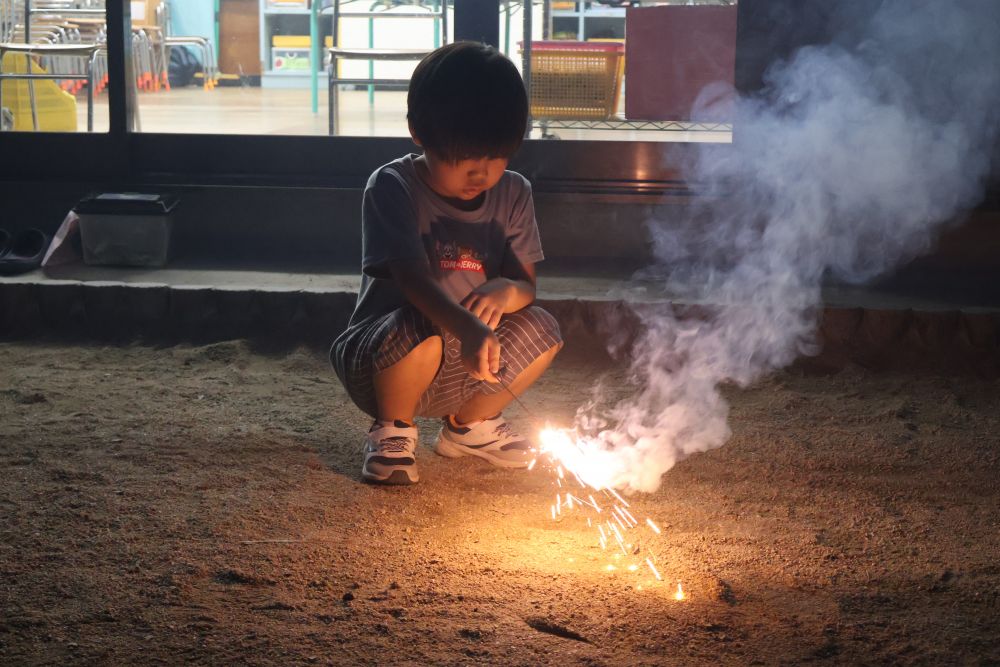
{"x": 466, "y": 100}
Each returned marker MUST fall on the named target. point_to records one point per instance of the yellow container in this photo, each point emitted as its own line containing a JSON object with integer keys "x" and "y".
{"x": 296, "y": 41}
{"x": 55, "y": 108}
{"x": 576, "y": 80}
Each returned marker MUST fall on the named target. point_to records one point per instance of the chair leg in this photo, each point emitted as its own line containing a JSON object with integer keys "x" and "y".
{"x": 90, "y": 97}
{"x": 31, "y": 93}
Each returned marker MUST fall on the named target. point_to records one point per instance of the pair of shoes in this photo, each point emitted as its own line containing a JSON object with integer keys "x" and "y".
{"x": 390, "y": 449}
{"x": 22, "y": 251}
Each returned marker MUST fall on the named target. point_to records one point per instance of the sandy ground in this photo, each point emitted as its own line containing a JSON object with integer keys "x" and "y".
{"x": 202, "y": 504}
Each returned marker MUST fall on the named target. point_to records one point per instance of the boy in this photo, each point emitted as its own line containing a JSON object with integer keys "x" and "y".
{"x": 444, "y": 325}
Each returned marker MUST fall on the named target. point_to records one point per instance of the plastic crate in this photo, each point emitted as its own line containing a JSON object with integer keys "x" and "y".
{"x": 575, "y": 80}
{"x": 126, "y": 229}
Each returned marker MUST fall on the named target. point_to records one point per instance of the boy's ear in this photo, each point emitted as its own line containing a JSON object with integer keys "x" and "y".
{"x": 413, "y": 135}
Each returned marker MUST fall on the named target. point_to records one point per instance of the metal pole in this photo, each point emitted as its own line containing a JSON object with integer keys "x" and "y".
{"x": 314, "y": 50}
{"x": 90, "y": 92}
{"x": 506, "y": 27}
{"x": 526, "y": 59}
{"x": 27, "y": 60}
{"x": 31, "y": 90}
{"x": 1, "y": 91}
{"x": 218, "y": 45}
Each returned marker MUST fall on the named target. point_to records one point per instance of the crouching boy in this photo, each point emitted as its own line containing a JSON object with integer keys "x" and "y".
{"x": 444, "y": 325}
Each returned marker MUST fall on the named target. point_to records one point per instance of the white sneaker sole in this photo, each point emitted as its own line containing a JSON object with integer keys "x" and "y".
{"x": 394, "y": 477}
{"x": 452, "y": 450}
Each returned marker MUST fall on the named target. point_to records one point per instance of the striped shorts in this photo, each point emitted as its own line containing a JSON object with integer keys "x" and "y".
{"x": 358, "y": 355}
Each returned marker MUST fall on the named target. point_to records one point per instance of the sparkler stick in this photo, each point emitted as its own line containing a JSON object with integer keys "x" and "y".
{"x": 531, "y": 415}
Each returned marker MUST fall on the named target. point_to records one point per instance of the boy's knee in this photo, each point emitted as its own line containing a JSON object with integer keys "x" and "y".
{"x": 429, "y": 348}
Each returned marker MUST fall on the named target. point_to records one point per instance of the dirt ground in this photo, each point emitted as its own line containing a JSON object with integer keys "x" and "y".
{"x": 203, "y": 505}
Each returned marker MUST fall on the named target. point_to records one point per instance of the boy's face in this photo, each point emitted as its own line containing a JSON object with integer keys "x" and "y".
{"x": 465, "y": 179}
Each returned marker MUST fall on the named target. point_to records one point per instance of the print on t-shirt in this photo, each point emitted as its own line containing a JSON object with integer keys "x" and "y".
{"x": 454, "y": 257}
{"x": 464, "y": 255}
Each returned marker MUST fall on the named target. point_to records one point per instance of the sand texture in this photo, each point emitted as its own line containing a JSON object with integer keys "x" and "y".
{"x": 202, "y": 505}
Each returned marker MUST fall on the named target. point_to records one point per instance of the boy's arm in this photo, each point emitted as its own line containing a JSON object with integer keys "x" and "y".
{"x": 480, "y": 346}
{"x": 512, "y": 291}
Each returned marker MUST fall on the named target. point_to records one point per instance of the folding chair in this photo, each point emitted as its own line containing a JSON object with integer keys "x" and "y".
{"x": 437, "y": 12}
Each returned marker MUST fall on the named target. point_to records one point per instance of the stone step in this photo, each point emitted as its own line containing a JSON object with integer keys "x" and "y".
{"x": 874, "y": 329}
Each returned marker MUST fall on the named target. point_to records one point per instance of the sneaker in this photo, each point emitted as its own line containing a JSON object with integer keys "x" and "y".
{"x": 390, "y": 454}
{"x": 490, "y": 439}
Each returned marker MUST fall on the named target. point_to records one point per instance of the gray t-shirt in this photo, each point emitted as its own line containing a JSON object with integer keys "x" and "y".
{"x": 402, "y": 218}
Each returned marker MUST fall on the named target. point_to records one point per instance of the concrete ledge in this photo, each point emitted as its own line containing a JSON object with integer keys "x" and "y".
{"x": 875, "y": 330}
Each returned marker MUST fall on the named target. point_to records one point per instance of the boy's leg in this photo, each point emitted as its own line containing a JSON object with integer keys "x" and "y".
{"x": 484, "y": 406}
{"x": 390, "y": 447}
{"x": 386, "y": 367}
{"x": 529, "y": 341}
{"x": 399, "y": 387}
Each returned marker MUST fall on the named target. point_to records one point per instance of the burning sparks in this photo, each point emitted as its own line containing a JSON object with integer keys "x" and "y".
{"x": 569, "y": 458}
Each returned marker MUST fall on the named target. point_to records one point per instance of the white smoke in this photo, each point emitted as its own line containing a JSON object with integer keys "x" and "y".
{"x": 850, "y": 162}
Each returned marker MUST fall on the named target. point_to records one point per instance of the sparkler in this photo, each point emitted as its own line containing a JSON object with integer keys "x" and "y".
{"x": 566, "y": 458}
{"x": 591, "y": 468}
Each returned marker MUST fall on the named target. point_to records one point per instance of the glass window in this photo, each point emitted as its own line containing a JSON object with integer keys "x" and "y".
{"x": 53, "y": 66}
{"x": 262, "y": 66}
{"x": 609, "y": 69}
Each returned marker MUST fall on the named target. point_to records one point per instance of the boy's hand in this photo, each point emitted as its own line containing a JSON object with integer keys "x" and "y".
{"x": 490, "y": 301}
{"x": 481, "y": 352}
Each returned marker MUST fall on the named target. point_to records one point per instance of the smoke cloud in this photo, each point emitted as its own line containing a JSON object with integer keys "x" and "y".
{"x": 851, "y": 160}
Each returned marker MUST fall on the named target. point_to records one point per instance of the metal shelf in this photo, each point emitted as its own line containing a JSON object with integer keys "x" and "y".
{"x": 622, "y": 124}
{"x": 268, "y": 9}
{"x": 605, "y": 12}
{"x": 290, "y": 11}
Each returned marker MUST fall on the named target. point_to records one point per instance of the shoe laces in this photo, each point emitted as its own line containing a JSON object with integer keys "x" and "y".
{"x": 504, "y": 431}
{"x": 396, "y": 444}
